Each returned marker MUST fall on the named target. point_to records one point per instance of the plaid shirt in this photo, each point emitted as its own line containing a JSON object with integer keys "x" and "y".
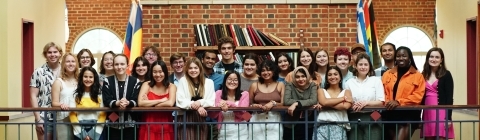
{"x": 379, "y": 71}
{"x": 220, "y": 69}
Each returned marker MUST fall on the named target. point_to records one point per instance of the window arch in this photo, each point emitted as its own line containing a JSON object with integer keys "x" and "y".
{"x": 98, "y": 41}
{"x": 415, "y": 39}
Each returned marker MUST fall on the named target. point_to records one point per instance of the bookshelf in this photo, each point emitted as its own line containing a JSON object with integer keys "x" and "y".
{"x": 251, "y": 48}
{"x": 247, "y": 39}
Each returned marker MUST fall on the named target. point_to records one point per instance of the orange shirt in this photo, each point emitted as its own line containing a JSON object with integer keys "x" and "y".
{"x": 318, "y": 82}
{"x": 410, "y": 90}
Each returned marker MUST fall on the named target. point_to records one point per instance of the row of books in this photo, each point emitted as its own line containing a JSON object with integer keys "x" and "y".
{"x": 208, "y": 35}
{"x": 270, "y": 56}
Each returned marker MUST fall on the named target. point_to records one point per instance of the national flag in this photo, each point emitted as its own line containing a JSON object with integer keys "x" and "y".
{"x": 132, "y": 44}
{"x": 367, "y": 32}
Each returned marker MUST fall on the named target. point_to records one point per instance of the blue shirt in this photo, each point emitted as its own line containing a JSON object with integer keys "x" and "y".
{"x": 346, "y": 78}
{"x": 217, "y": 80}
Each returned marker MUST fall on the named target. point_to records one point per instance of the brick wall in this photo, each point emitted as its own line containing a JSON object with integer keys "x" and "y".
{"x": 171, "y": 26}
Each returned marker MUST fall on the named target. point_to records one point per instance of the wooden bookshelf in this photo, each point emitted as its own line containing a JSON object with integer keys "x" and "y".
{"x": 250, "y": 48}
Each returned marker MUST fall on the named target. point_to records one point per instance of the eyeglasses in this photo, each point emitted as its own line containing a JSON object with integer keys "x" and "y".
{"x": 151, "y": 54}
{"x": 85, "y": 57}
{"x": 177, "y": 62}
{"x": 232, "y": 80}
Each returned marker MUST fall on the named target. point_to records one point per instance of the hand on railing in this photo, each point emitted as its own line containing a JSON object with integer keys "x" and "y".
{"x": 267, "y": 107}
{"x": 390, "y": 105}
{"x": 292, "y": 108}
{"x": 64, "y": 107}
{"x": 88, "y": 138}
{"x": 202, "y": 112}
{"x": 223, "y": 105}
{"x": 195, "y": 105}
{"x": 123, "y": 103}
{"x": 317, "y": 106}
{"x": 358, "y": 106}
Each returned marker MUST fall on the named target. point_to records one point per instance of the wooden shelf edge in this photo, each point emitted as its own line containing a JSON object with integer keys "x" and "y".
{"x": 249, "y": 48}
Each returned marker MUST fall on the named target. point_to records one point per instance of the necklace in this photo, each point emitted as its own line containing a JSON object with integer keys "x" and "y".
{"x": 73, "y": 82}
{"x": 267, "y": 84}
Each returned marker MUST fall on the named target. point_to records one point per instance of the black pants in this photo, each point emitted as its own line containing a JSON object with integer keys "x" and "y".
{"x": 297, "y": 133}
{"x": 129, "y": 133}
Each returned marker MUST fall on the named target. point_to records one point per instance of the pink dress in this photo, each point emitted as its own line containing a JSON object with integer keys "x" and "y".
{"x": 430, "y": 128}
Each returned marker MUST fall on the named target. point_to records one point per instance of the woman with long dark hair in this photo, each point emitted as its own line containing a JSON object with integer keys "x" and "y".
{"x": 141, "y": 68}
{"x": 404, "y": 85}
{"x": 120, "y": 91}
{"x": 332, "y": 122}
{"x": 87, "y": 95}
{"x": 438, "y": 91}
{"x": 249, "y": 74}
{"x": 158, "y": 92}
{"x": 285, "y": 63}
{"x": 231, "y": 96}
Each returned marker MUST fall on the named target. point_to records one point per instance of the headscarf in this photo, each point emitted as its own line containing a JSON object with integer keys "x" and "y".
{"x": 294, "y": 82}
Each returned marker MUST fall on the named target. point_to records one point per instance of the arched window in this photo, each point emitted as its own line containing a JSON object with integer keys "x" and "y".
{"x": 413, "y": 38}
{"x": 98, "y": 41}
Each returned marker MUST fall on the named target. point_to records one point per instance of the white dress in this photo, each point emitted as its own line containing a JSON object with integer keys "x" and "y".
{"x": 232, "y": 131}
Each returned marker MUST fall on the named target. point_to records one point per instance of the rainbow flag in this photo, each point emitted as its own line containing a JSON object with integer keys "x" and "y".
{"x": 367, "y": 32}
{"x": 132, "y": 43}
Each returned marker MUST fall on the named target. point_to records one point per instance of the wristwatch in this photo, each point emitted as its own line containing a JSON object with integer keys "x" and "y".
{"x": 274, "y": 103}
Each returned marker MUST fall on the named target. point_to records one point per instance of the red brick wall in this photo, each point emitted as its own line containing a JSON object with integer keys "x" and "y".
{"x": 171, "y": 26}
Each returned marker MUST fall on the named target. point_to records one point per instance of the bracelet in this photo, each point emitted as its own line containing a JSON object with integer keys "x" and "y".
{"x": 273, "y": 102}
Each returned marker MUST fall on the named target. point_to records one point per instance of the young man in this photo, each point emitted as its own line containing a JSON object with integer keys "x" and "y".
{"x": 388, "y": 53}
{"x": 41, "y": 90}
{"x": 208, "y": 61}
{"x": 177, "y": 62}
{"x": 356, "y": 49}
{"x": 227, "y": 50}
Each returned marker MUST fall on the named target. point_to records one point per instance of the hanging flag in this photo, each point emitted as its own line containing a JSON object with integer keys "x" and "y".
{"x": 367, "y": 32}
{"x": 132, "y": 44}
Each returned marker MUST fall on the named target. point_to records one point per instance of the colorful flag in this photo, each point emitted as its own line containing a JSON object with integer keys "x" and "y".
{"x": 367, "y": 32}
{"x": 132, "y": 44}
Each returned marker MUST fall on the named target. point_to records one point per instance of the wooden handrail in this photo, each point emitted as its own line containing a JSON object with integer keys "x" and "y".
{"x": 278, "y": 108}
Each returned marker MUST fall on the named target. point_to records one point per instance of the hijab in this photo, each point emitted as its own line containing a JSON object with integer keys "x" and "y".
{"x": 307, "y": 75}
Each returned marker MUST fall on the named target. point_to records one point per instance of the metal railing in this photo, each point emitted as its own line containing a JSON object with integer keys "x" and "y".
{"x": 28, "y": 126}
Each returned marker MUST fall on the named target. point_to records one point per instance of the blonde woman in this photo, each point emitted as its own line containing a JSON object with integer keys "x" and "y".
{"x": 62, "y": 91}
{"x": 194, "y": 92}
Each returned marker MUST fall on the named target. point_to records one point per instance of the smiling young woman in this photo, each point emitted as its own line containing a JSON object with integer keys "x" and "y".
{"x": 62, "y": 91}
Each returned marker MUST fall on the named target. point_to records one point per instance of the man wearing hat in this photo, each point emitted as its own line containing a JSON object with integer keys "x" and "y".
{"x": 356, "y": 49}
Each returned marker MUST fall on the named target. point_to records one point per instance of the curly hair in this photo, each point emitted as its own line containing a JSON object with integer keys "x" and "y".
{"x": 225, "y": 40}
{"x": 95, "y": 90}
{"x": 342, "y": 51}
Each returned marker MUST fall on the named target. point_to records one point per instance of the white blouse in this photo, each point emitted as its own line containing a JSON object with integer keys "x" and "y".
{"x": 370, "y": 89}
{"x": 184, "y": 98}
{"x": 66, "y": 95}
{"x": 334, "y": 115}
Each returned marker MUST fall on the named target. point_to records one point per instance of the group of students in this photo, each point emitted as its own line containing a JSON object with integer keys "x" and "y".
{"x": 198, "y": 83}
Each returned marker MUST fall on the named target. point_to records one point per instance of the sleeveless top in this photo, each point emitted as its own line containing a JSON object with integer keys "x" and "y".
{"x": 65, "y": 95}
{"x": 160, "y": 116}
{"x": 334, "y": 115}
{"x": 264, "y": 98}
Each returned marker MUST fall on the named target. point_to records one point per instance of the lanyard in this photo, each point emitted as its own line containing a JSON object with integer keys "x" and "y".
{"x": 124, "y": 87}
